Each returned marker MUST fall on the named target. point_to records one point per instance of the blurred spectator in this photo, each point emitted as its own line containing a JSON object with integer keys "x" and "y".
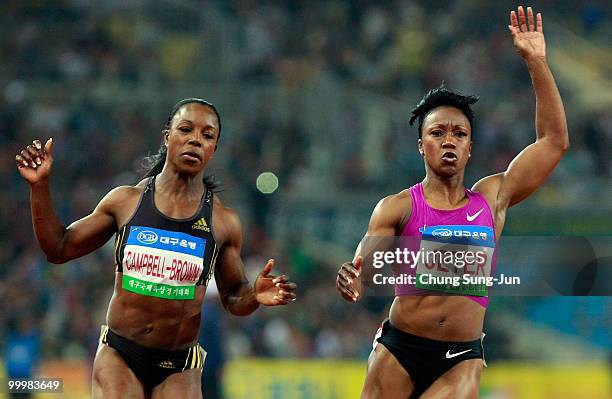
{"x": 22, "y": 352}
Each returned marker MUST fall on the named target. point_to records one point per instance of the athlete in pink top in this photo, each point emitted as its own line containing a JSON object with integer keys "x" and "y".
{"x": 430, "y": 347}
{"x": 475, "y": 212}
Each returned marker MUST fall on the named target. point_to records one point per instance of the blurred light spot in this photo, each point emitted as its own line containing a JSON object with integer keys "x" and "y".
{"x": 267, "y": 182}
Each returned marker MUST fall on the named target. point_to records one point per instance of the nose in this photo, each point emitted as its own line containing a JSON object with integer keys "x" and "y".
{"x": 195, "y": 139}
{"x": 448, "y": 141}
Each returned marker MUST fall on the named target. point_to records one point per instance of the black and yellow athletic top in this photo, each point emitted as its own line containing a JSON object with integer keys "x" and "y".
{"x": 164, "y": 257}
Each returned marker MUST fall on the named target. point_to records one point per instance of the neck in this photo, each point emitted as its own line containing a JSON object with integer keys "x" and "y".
{"x": 174, "y": 184}
{"x": 448, "y": 190}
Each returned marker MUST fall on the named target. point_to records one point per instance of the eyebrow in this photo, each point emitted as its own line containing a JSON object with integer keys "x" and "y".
{"x": 440, "y": 124}
{"x": 190, "y": 121}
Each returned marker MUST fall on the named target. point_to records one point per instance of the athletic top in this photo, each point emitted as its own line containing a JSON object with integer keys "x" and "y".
{"x": 469, "y": 228}
{"x": 164, "y": 257}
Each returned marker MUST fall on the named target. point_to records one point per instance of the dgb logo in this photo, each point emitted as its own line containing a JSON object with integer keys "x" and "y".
{"x": 147, "y": 237}
{"x": 443, "y": 233}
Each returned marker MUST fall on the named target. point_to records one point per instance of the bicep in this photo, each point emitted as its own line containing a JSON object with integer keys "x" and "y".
{"x": 384, "y": 223}
{"x": 230, "y": 275}
{"x": 94, "y": 230}
{"x": 88, "y": 234}
{"x": 528, "y": 171}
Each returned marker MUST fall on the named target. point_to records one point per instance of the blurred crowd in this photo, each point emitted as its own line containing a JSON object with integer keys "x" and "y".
{"x": 317, "y": 92}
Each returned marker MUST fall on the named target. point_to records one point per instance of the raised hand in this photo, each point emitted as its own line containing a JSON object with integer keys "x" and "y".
{"x": 348, "y": 282}
{"x": 271, "y": 290}
{"x": 34, "y": 162}
{"x": 527, "y": 34}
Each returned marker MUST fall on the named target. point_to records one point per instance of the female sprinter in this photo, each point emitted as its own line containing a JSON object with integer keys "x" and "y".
{"x": 430, "y": 347}
{"x": 172, "y": 235}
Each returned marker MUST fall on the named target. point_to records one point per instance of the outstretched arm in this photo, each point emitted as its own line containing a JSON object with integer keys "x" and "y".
{"x": 58, "y": 242}
{"x": 535, "y": 163}
{"x": 237, "y": 294}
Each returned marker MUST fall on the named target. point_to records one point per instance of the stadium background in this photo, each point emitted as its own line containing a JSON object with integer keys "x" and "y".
{"x": 318, "y": 93}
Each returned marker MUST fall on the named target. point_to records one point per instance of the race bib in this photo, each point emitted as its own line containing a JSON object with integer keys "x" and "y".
{"x": 456, "y": 259}
{"x": 161, "y": 263}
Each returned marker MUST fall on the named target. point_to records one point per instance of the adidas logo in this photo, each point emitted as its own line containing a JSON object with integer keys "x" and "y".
{"x": 201, "y": 225}
{"x": 166, "y": 364}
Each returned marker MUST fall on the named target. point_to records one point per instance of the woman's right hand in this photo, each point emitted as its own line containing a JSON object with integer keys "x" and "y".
{"x": 34, "y": 162}
{"x": 348, "y": 281}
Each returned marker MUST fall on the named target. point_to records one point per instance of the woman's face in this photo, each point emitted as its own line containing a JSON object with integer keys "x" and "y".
{"x": 192, "y": 138}
{"x": 446, "y": 140}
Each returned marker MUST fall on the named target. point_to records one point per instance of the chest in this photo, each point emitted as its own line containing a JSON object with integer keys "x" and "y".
{"x": 173, "y": 208}
{"x": 469, "y": 216}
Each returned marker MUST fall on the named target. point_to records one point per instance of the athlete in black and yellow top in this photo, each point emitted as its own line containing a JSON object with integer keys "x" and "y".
{"x": 172, "y": 235}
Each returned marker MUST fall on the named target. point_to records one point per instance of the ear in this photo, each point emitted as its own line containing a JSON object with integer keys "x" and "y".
{"x": 470, "y": 151}
{"x": 421, "y": 151}
{"x": 166, "y": 134}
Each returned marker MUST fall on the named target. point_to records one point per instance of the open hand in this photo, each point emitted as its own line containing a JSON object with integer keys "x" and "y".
{"x": 527, "y": 34}
{"x": 271, "y": 290}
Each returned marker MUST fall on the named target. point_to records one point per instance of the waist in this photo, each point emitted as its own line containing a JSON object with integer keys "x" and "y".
{"x": 155, "y": 322}
{"x": 444, "y": 318}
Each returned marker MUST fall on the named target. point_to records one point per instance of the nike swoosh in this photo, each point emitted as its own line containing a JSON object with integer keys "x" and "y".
{"x": 471, "y": 218}
{"x": 449, "y": 356}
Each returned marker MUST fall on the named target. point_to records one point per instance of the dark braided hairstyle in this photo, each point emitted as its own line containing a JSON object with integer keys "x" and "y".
{"x": 441, "y": 96}
{"x": 153, "y": 164}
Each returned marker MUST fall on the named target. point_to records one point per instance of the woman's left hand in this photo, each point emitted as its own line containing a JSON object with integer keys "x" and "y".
{"x": 271, "y": 290}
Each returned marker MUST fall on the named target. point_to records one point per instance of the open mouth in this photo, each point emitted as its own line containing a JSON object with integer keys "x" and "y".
{"x": 449, "y": 157}
{"x": 192, "y": 156}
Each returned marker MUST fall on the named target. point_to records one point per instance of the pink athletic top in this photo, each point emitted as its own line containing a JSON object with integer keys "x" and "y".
{"x": 470, "y": 225}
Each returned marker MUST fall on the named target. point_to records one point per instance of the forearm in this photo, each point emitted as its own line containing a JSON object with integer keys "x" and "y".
{"x": 48, "y": 228}
{"x": 242, "y": 302}
{"x": 550, "y": 118}
{"x": 368, "y": 249}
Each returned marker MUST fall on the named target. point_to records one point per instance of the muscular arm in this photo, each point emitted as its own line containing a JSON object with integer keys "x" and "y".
{"x": 535, "y": 163}
{"x": 387, "y": 217}
{"x": 62, "y": 244}
{"x": 59, "y": 243}
{"x": 386, "y": 220}
{"x": 237, "y": 294}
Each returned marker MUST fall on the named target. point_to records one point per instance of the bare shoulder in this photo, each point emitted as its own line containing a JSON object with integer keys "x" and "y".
{"x": 391, "y": 212}
{"x": 398, "y": 203}
{"x": 119, "y": 195}
{"x": 488, "y": 184}
{"x": 402, "y": 197}
{"x": 121, "y": 202}
{"x": 226, "y": 222}
{"x": 489, "y": 187}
